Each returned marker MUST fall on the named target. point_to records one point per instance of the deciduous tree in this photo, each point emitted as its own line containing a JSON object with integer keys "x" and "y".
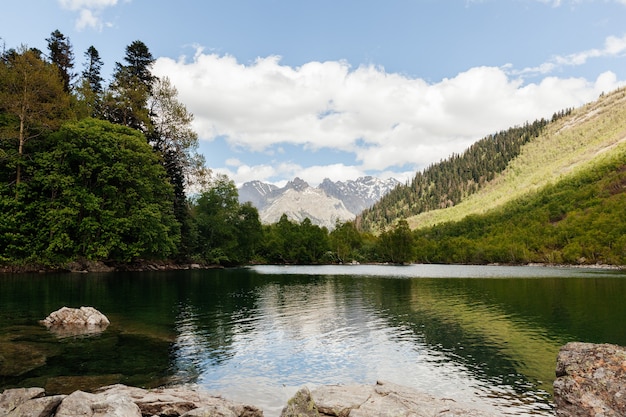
{"x": 32, "y": 99}
{"x": 105, "y": 195}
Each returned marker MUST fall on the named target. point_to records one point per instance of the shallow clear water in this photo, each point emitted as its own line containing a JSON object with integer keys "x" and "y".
{"x": 484, "y": 335}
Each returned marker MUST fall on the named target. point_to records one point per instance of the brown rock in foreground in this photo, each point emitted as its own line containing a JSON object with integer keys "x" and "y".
{"x": 380, "y": 400}
{"x": 591, "y": 381}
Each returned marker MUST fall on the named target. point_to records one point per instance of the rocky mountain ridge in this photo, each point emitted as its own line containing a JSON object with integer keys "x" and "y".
{"x": 324, "y": 205}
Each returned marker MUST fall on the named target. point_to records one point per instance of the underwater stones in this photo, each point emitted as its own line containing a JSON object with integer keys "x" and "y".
{"x": 68, "y": 384}
{"x": 18, "y": 358}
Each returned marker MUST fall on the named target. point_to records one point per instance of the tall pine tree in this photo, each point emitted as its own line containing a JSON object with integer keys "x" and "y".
{"x": 62, "y": 56}
{"x": 90, "y": 91}
{"x": 127, "y": 100}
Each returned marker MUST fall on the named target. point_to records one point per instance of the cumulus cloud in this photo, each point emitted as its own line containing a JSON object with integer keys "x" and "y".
{"x": 388, "y": 121}
{"x": 89, "y": 12}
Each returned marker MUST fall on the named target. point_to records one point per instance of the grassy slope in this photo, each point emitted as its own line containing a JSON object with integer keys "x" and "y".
{"x": 569, "y": 145}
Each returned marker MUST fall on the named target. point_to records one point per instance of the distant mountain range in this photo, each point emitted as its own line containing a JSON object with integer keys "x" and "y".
{"x": 323, "y": 205}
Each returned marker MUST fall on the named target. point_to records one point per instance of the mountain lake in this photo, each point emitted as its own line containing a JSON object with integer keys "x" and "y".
{"x": 484, "y": 335}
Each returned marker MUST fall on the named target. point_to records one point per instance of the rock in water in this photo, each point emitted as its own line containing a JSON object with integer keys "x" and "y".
{"x": 84, "y": 316}
{"x": 591, "y": 380}
{"x": 75, "y": 321}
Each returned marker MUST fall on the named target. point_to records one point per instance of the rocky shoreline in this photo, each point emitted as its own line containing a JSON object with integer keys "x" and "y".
{"x": 381, "y": 399}
{"x": 85, "y": 266}
{"x": 591, "y": 381}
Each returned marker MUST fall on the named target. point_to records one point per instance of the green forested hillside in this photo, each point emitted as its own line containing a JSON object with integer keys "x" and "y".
{"x": 574, "y": 143}
{"x": 450, "y": 181}
{"x": 561, "y": 200}
{"x": 504, "y": 166}
{"x": 577, "y": 220}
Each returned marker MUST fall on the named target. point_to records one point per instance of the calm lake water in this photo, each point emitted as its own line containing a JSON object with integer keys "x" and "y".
{"x": 487, "y": 335}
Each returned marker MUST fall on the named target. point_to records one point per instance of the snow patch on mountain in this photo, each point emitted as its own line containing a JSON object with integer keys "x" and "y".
{"x": 323, "y": 205}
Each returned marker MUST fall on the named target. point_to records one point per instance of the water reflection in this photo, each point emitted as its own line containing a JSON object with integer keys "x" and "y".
{"x": 480, "y": 334}
{"x": 327, "y": 331}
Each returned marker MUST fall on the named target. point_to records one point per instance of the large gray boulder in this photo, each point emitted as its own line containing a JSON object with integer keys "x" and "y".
{"x": 181, "y": 401}
{"x": 84, "y": 404}
{"x": 121, "y": 401}
{"x": 37, "y": 407}
{"x": 384, "y": 399}
{"x": 12, "y": 398}
{"x": 591, "y": 381}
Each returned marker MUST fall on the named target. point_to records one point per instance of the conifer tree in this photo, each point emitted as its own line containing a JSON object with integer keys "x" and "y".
{"x": 93, "y": 66}
{"x": 127, "y": 101}
{"x": 62, "y": 56}
{"x": 90, "y": 91}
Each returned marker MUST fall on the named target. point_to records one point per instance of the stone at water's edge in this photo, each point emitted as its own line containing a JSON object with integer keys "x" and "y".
{"x": 380, "y": 400}
{"x": 591, "y": 380}
{"x": 121, "y": 401}
{"x": 13, "y": 398}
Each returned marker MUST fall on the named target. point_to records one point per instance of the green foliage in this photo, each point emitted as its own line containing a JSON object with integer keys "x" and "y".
{"x": 89, "y": 91}
{"x": 96, "y": 191}
{"x": 346, "y": 242}
{"x": 292, "y": 243}
{"x": 579, "y": 220}
{"x": 62, "y": 56}
{"x": 126, "y": 102}
{"x": 396, "y": 245}
{"x": 228, "y": 233}
{"x": 32, "y": 102}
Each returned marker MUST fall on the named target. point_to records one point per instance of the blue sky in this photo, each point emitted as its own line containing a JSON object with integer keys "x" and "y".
{"x": 342, "y": 89}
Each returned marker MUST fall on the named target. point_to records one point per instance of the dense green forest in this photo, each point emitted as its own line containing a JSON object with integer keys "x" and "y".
{"x": 578, "y": 220}
{"x": 96, "y": 171}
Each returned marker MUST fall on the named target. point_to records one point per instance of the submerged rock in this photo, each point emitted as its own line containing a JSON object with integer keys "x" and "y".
{"x": 17, "y": 358}
{"x": 382, "y": 399}
{"x": 591, "y": 380}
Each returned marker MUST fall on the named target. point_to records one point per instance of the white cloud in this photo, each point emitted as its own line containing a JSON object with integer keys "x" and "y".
{"x": 385, "y": 120}
{"x": 89, "y": 12}
{"x": 613, "y": 47}
{"x": 87, "y": 19}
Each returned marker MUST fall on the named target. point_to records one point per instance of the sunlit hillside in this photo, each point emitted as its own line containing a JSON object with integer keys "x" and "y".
{"x": 573, "y": 143}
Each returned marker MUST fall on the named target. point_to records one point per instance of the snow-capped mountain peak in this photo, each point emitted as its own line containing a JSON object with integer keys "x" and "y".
{"x": 323, "y": 205}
